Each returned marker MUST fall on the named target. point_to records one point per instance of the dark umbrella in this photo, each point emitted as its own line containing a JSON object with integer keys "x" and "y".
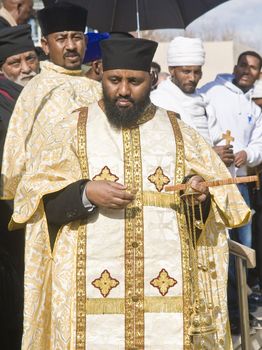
{"x": 131, "y": 15}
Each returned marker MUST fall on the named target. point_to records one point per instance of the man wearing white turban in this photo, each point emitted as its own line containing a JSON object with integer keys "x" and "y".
{"x": 185, "y": 58}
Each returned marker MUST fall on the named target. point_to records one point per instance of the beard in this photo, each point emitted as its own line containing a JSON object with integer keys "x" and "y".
{"x": 124, "y": 117}
{"x": 23, "y": 79}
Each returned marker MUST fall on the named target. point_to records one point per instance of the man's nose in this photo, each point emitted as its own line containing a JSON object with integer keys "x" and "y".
{"x": 192, "y": 77}
{"x": 124, "y": 89}
{"x": 246, "y": 70}
{"x": 25, "y": 67}
{"x": 70, "y": 44}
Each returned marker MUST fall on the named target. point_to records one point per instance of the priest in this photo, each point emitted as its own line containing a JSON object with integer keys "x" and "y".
{"x": 60, "y": 88}
{"x": 112, "y": 260}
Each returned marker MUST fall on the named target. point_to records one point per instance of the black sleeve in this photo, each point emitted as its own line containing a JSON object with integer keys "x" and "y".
{"x": 3, "y": 23}
{"x": 66, "y": 205}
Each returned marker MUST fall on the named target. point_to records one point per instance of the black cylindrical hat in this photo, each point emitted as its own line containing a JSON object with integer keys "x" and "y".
{"x": 62, "y": 17}
{"x": 15, "y": 40}
{"x": 127, "y": 53}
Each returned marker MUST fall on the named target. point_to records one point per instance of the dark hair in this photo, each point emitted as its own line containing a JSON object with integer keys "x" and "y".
{"x": 41, "y": 54}
{"x": 251, "y": 53}
{"x": 156, "y": 66}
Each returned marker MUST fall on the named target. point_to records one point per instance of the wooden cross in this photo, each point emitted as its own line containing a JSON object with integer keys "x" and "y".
{"x": 229, "y": 181}
{"x": 227, "y": 136}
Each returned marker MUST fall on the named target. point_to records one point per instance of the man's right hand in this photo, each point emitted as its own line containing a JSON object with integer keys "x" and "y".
{"x": 108, "y": 194}
{"x": 225, "y": 153}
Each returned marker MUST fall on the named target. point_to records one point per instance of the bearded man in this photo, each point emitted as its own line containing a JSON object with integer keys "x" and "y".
{"x": 108, "y": 252}
{"x": 185, "y": 58}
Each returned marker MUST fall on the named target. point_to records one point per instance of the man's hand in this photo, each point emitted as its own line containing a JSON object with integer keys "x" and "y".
{"x": 199, "y": 188}
{"x": 108, "y": 194}
{"x": 240, "y": 158}
{"x": 225, "y": 153}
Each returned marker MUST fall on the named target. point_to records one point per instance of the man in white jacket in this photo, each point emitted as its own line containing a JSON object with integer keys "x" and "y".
{"x": 231, "y": 97}
{"x": 185, "y": 58}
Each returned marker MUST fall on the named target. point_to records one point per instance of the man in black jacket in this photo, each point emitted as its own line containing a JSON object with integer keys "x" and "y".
{"x": 18, "y": 64}
{"x": 15, "y": 12}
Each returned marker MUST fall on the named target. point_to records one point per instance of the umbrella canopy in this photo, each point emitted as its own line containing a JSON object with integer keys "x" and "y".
{"x": 131, "y": 15}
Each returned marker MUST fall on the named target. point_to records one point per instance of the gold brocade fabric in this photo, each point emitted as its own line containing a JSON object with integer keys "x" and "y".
{"x": 47, "y": 99}
{"x": 112, "y": 249}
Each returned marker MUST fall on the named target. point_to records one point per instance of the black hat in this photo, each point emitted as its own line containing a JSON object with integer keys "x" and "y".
{"x": 15, "y": 40}
{"x": 127, "y": 53}
{"x": 48, "y": 2}
{"x": 120, "y": 35}
{"x": 62, "y": 17}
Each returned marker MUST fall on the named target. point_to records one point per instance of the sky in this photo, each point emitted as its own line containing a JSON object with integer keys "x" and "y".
{"x": 239, "y": 20}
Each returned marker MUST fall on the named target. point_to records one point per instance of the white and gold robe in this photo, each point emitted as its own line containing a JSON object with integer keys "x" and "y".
{"x": 122, "y": 280}
{"x": 49, "y": 97}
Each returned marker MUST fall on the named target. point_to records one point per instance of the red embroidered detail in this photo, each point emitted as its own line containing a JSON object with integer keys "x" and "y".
{"x": 105, "y": 283}
{"x": 163, "y": 282}
{"x": 159, "y": 179}
{"x": 106, "y": 174}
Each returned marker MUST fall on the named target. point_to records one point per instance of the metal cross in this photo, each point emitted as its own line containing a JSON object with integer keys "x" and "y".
{"x": 227, "y": 136}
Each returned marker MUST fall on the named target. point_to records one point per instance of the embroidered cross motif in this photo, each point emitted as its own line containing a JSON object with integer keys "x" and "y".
{"x": 159, "y": 179}
{"x": 106, "y": 174}
{"x": 163, "y": 282}
{"x": 105, "y": 283}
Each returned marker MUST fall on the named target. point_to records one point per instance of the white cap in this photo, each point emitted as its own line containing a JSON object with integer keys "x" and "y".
{"x": 257, "y": 92}
{"x": 185, "y": 52}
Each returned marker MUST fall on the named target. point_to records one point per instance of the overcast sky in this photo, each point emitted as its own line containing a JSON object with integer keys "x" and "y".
{"x": 240, "y": 18}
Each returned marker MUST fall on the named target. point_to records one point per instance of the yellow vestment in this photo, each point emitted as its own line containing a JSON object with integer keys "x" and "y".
{"x": 122, "y": 279}
{"x": 49, "y": 97}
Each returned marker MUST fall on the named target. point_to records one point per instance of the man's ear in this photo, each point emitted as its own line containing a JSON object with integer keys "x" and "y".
{"x": 234, "y": 70}
{"x": 97, "y": 66}
{"x": 16, "y": 9}
{"x": 19, "y": 6}
{"x": 45, "y": 45}
{"x": 171, "y": 70}
{"x": 154, "y": 77}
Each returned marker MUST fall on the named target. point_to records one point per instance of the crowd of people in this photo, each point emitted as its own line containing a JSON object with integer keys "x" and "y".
{"x": 95, "y": 252}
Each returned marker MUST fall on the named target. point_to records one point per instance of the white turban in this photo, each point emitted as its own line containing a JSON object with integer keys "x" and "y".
{"x": 185, "y": 52}
{"x": 257, "y": 92}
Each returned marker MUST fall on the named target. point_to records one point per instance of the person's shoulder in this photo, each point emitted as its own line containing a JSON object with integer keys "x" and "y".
{"x": 88, "y": 109}
{"x": 188, "y": 131}
{"x": 219, "y": 82}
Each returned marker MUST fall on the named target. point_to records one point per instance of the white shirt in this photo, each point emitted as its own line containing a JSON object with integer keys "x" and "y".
{"x": 235, "y": 111}
{"x": 191, "y": 107}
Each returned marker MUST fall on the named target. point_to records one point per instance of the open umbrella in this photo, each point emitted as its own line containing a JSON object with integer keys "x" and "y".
{"x": 132, "y": 15}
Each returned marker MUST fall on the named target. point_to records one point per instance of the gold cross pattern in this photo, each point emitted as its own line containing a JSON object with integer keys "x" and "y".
{"x": 227, "y": 137}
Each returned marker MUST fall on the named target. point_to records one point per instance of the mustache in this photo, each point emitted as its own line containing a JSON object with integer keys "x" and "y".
{"x": 127, "y": 98}
{"x": 26, "y": 76}
{"x": 71, "y": 53}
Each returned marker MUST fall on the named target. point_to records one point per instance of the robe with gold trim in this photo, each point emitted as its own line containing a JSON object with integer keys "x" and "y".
{"x": 123, "y": 279}
{"x": 50, "y": 96}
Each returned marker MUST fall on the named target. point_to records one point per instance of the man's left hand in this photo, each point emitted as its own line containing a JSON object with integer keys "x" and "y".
{"x": 240, "y": 158}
